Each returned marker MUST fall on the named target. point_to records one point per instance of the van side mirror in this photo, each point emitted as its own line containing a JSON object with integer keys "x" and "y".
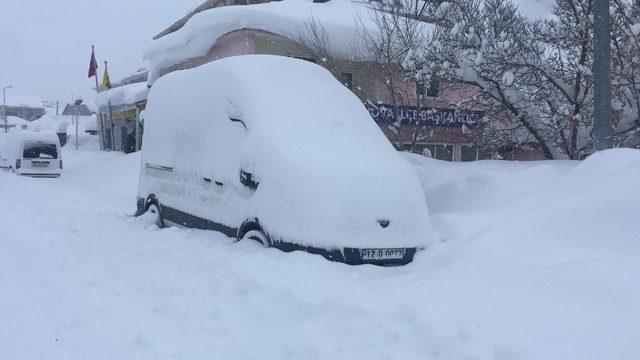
{"x": 246, "y": 178}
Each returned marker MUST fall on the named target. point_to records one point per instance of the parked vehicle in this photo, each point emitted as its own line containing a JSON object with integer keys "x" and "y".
{"x": 31, "y": 154}
{"x": 277, "y": 150}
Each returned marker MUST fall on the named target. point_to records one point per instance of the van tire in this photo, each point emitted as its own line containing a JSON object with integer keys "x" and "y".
{"x": 152, "y": 205}
{"x": 251, "y": 229}
{"x": 257, "y": 235}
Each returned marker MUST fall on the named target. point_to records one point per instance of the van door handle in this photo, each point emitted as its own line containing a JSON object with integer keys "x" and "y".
{"x": 208, "y": 180}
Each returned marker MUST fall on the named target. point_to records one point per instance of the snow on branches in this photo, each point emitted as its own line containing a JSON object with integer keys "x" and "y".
{"x": 533, "y": 77}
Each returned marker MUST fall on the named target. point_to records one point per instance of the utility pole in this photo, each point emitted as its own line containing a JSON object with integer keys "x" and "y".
{"x": 77, "y": 103}
{"x": 602, "y": 112}
{"x": 4, "y": 107}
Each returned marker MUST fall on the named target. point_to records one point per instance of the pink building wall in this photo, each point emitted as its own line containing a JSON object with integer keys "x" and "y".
{"x": 239, "y": 42}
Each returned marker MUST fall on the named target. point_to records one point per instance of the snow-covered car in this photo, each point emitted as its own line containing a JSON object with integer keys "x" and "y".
{"x": 276, "y": 150}
{"x": 31, "y": 154}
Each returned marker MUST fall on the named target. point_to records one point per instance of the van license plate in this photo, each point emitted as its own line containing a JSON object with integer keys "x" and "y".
{"x": 39, "y": 164}
{"x": 382, "y": 254}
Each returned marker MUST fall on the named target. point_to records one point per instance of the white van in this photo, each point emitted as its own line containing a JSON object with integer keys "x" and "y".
{"x": 31, "y": 154}
{"x": 276, "y": 150}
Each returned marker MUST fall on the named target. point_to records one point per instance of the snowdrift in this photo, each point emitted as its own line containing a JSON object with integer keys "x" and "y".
{"x": 537, "y": 261}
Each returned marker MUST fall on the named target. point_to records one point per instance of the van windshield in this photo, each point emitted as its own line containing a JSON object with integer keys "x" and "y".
{"x": 39, "y": 151}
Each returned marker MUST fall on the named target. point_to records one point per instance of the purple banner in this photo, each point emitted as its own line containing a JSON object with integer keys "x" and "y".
{"x": 408, "y": 115}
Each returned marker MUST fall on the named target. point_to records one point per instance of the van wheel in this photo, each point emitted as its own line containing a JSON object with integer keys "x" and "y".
{"x": 257, "y": 235}
{"x": 251, "y": 229}
{"x": 154, "y": 212}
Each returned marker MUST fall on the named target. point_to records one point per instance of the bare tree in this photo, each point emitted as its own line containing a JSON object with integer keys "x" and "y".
{"x": 389, "y": 35}
{"x": 626, "y": 72}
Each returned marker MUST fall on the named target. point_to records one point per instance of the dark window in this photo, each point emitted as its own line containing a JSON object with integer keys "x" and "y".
{"x": 432, "y": 150}
{"x": 346, "y": 79}
{"x": 434, "y": 88}
{"x": 305, "y": 58}
{"x": 39, "y": 151}
{"x": 444, "y": 152}
{"x": 469, "y": 153}
{"x": 484, "y": 155}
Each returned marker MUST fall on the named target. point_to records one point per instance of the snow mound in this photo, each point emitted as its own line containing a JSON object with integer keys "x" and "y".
{"x": 532, "y": 268}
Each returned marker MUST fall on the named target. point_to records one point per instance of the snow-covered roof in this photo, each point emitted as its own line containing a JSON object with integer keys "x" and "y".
{"x": 23, "y": 101}
{"x": 342, "y": 20}
{"x": 60, "y": 123}
{"x": 14, "y": 120}
{"x": 123, "y": 95}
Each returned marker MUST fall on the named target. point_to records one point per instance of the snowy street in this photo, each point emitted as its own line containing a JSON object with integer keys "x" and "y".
{"x": 320, "y": 180}
{"x": 535, "y": 260}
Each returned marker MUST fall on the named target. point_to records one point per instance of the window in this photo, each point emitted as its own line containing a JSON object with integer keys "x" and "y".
{"x": 432, "y": 150}
{"x": 444, "y": 152}
{"x": 346, "y": 79}
{"x": 469, "y": 153}
{"x": 484, "y": 155}
{"x": 39, "y": 151}
{"x": 434, "y": 88}
{"x": 432, "y": 91}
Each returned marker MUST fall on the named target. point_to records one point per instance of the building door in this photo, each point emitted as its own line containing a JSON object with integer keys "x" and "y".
{"x": 123, "y": 138}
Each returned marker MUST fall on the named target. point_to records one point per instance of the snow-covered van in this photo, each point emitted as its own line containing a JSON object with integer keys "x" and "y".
{"x": 31, "y": 154}
{"x": 276, "y": 150}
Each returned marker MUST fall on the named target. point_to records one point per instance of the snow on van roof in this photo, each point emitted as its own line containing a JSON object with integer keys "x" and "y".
{"x": 123, "y": 95}
{"x": 325, "y": 169}
{"x": 341, "y": 19}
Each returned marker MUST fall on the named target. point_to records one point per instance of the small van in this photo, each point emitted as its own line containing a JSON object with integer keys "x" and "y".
{"x": 277, "y": 150}
{"x": 31, "y": 154}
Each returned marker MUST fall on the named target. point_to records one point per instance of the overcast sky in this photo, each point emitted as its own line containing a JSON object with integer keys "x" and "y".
{"x": 45, "y": 45}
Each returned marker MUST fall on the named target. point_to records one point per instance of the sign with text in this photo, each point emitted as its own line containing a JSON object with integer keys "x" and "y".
{"x": 409, "y": 115}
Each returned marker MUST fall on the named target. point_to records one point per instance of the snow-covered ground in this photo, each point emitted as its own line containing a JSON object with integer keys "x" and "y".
{"x": 535, "y": 261}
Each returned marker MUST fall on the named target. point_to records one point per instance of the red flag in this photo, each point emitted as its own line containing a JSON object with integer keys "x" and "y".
{"x": 93, "y": 64}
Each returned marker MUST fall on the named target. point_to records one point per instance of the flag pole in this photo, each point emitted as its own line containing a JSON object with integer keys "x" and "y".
{"x": 96, "y": 76}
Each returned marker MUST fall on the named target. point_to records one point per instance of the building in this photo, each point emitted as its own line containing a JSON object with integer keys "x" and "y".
{"x": 25, "y": 107}
{"x": 428, "y": 117}
{"x": 83, "y": 110}
{"x": 118, "y": 122}
{"x": 119, "y": 109}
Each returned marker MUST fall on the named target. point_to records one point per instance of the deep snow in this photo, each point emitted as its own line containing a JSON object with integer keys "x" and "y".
{"x": 539, "y": 261}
